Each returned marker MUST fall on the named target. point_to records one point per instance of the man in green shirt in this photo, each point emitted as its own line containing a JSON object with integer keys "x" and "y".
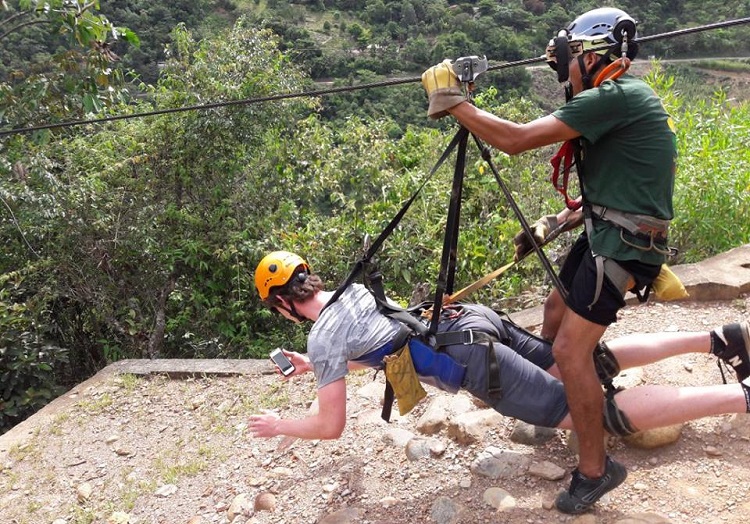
{"x": 627, "y": 150}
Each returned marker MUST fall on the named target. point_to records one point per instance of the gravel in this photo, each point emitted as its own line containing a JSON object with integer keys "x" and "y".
{"x": 158, "y": 450}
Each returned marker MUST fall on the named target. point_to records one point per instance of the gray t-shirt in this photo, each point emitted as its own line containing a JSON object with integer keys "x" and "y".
{"x": 345, "y": 330}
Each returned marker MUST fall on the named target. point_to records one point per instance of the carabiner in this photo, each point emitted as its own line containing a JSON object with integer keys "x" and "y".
{"x": 614, "y": 70}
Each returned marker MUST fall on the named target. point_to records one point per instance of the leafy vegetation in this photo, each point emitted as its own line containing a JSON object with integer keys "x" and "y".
{"x": 351, "y": 42}
{"x": 29, "y": 359}
{"x": 138, "y": 238}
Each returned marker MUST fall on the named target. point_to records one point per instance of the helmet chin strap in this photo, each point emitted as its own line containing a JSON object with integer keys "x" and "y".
{"x": 293, "y": 312}
{"x": 587, "y": 77}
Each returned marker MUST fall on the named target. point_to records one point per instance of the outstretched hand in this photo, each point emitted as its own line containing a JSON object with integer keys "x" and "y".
{"x": 265, "y": 425}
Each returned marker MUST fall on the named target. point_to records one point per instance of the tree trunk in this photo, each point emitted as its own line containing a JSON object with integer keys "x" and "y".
{"x": 160, "y": 319}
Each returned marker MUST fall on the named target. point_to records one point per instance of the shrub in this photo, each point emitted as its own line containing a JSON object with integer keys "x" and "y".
{"x": 28, "y": 365}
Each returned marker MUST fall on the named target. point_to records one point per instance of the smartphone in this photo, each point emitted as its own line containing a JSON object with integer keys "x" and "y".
{"x": 281, "y": 360}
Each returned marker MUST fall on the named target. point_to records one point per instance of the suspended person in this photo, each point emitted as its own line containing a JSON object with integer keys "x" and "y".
{"x": 507, "y": 367}
{"x": 626, "y": 166}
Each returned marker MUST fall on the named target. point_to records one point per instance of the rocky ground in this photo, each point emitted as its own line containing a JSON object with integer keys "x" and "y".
{"x": 159, "y": 450}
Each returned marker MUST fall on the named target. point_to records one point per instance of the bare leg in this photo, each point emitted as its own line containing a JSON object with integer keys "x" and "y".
{"x": 572, "y": 349}
{"x": 640, "y": 349}
{"x": 554, "y": 309}
{"x": 650, "y": 407}
{"x": 644, "y": 348}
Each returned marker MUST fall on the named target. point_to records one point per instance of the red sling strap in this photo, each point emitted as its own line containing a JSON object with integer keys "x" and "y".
{"x": 565, "y": 158}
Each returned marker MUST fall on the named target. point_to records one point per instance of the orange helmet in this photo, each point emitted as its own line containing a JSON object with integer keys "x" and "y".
{"x": 276, "y": 269}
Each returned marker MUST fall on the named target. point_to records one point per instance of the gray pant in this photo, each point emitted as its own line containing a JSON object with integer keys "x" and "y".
{"x": 528, "y": 393}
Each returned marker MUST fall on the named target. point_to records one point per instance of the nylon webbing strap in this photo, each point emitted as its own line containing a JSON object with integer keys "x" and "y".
{"x": 360, "y": 264}
{"x": 464, "y": 337}
{"x": 563, "y": 160}
{"x": 388, "y": 398}
{"x": 460, "y": 294}
{"x": 450, "y": 243}
{"x": 466, "y": 291}
{"x": 374, "y": 282}
{"x": 524, "y": 224}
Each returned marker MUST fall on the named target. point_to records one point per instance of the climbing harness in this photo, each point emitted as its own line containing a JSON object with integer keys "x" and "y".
{"x": 646, "y": 228}
{"x": 647, "y": 232}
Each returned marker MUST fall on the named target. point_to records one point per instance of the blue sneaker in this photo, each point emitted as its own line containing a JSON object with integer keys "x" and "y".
{"x": 584, "y": 492}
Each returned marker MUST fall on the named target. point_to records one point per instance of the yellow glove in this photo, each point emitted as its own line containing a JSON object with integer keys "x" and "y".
{"x": 541, "y": 229}
{"x": 443, "y": 89}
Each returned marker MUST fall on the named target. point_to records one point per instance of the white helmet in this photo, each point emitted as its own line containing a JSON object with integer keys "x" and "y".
{"x": 601, "y": 30}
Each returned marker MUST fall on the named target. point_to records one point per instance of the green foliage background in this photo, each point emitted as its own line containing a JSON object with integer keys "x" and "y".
{"x": 138, "y": 238}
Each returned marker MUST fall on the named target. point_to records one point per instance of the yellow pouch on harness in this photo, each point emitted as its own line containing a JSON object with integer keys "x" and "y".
{"x": 667, "y": 286}
{"x": 400, "y": 373}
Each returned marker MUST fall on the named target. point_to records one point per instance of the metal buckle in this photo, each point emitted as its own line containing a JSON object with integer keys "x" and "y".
{"x": 468, "y": 336}
{"x": 468, "y": 68}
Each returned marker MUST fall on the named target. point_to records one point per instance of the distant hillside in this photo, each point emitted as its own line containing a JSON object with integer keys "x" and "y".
{"x": 338, "y": 39}
{"x": 701, "y": 78}
{"x": 348, "y": 42}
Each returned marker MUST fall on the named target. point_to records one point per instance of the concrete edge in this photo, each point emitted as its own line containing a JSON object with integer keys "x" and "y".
{"x": 172, "y": 368}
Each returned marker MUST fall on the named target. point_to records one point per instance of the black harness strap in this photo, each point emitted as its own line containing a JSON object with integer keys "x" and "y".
{"x": 486, "y": 155}
{"x": 374, "y": 282}
{"x": 374, "y": 279}
{"x": 362, "y": 262}
{"x": 450, "y": 243}
{"x": 388, "y": 399}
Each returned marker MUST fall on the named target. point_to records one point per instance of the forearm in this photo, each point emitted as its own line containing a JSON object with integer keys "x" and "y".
{"x": 327, "y": 422}
{"x": 500, "y": 134}
{"x": 570, "y": 218}
{"x": 508, "y": 136}
{"x": 311, "y": 428}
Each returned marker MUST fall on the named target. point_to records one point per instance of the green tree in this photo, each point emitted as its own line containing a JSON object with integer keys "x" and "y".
{"x": 377, "y": 13}
{"x": 417, "y": 50}
{"x": 79, "y": 79}
{"x": 408, "y": 14}
{"x": 147, "y": 222}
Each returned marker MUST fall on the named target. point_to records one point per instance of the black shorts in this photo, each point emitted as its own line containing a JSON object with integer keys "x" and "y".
{"x": 578, "y": 275}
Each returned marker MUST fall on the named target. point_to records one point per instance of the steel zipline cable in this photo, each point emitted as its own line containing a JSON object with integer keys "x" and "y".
{"x": 333, "y": 90}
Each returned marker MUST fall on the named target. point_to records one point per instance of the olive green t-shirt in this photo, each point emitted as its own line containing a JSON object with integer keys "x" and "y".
{"x": 629, "y": 154}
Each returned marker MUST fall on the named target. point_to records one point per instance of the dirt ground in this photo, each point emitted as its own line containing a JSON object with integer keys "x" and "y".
{"x": 159, "y": 450}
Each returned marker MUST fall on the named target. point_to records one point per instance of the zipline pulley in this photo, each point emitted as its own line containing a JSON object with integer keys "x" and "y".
{"x": 468, "y": 68}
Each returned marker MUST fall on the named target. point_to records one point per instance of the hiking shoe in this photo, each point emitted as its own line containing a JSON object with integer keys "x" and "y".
{"x": 584, "y": 492}
{"x": 730, "y": 343}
